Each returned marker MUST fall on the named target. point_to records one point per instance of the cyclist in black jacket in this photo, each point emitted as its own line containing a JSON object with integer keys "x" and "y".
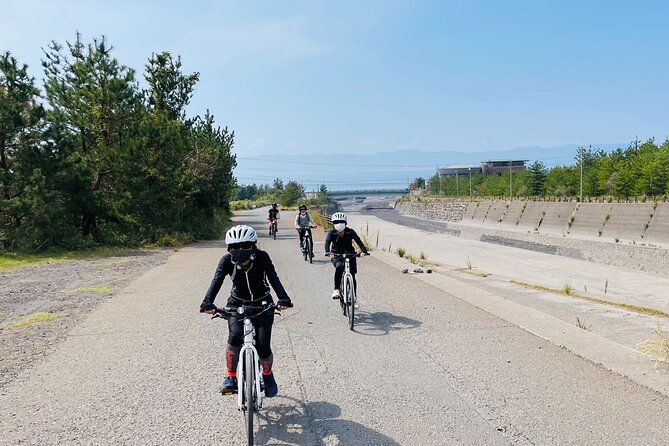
{"x": 272, "y": 214}
{"x": 340, "y": 240}
{"x": 252, "y": 272}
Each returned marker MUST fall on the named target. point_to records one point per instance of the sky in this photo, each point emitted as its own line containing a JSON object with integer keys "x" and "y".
{"x": 362, "y": 77}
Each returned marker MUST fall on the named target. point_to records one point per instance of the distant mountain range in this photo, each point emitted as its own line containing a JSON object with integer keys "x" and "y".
{"x": 385, "y": 169}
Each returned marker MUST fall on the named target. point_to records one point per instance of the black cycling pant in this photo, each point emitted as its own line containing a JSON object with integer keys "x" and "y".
{"x": 302, "y": 231}
{"x": 263, "y": 326}
{"x": 339, "y": 272}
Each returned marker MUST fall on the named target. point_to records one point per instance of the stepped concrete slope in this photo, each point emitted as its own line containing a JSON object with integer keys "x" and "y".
{"x": 470, "y": 211}
{"x": 627, "y": 221}
{"x": 481, "y": 212}
{"x": 513, "y": 213}
{"x": 589, "y": 219}
{"x": 631, "y": 235}
{"x": 556, "y": 219}
{"x": 658, "y": 227}
{"x": 495, "y": 212}
{"x": 534, "y": 212}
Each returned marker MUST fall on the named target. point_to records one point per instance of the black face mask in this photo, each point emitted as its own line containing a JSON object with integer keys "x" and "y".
{"x": 240, "y": 255}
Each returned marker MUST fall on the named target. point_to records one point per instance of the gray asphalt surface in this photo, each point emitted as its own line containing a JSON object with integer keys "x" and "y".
{"x": 422, "y": 367}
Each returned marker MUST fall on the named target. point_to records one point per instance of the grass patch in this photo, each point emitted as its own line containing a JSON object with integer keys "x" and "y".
{"x": 118, "y": 262}
{"x": 366, "y": 242}
{"x": 634, "y": 308}
{"x": 101, "y": 289}
{"x": 581, "y": 324}
{"x": 471, "y": 271}
{"x": 567, "y": 288}
{"x": 656, "y": 348}
{"x": 13, "y": 261}
{"x": 401, "y": 251}
{"x": 36, "y": 318}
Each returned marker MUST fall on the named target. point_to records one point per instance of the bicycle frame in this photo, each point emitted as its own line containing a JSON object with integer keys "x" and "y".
{"x": 249, "y": 344}
{"x": 249, "y": 397}
{"x": 348, "y": 306}
{"x": 308, "y": 245}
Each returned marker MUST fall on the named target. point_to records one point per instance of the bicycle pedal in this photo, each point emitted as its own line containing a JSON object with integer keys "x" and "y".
{"x": 228, "y": 392}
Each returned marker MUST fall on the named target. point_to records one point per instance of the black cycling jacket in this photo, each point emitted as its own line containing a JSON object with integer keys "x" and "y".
{"x": 247, "y": 285}
{"x": 340, "y": 245}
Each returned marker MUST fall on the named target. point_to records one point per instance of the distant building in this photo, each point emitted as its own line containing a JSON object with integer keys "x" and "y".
{"x": 492, "y": 167}
{"x": 458, "y": 170}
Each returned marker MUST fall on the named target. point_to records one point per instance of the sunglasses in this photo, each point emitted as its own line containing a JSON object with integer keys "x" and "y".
{"x": 243, "y": 245}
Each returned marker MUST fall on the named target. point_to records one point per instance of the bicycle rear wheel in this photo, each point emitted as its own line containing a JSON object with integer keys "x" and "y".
{"x": 249, "y": 393}
{"x": 349, "y": 301}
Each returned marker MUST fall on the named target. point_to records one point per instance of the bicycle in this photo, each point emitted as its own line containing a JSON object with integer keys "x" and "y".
{"x": 308, "y": 246}
{"x": 249, "y": 368}
{"x": 348, "y": 298}
{"x": 273, "y": 228}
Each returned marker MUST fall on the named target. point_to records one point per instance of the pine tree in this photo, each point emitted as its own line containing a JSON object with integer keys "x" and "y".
{"x": 537, "y": 174}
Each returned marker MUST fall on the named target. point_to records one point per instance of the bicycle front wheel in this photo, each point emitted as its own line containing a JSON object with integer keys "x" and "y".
{"x": 274, "y": 230}
{"x": 310, "y": 250}
{"x": 350, "y": 301}
{"x": 249, "y": 393}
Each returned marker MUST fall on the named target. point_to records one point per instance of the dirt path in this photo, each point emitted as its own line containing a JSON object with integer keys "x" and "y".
{"x": 39, "y": 305}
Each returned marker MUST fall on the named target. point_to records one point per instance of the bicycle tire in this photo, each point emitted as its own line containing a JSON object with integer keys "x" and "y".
{"x": 305, "y": 248}
{"x": 310, "y": 250}
{"x": 274, "y": 230}
{"x": 350, "y": 302}
{"x": 249, "y": 390}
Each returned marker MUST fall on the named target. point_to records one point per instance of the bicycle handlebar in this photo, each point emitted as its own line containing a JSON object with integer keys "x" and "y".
{"x": 345, "y": 254}
{"x": 250, "y": 311}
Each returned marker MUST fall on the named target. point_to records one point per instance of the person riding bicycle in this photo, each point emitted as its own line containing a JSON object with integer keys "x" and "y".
{"x": 303, "y": 221}
{"x": 251, "y": 272}
{"x": 272, "y": 215}
{"x": 339, "y": 240}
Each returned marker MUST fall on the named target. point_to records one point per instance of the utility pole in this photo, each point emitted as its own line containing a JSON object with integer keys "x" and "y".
{"x": 457, "y": 185}
{"x": 470, "y": 184}
{"x": 580, "y": 156}
{"x": 510, "y": 180}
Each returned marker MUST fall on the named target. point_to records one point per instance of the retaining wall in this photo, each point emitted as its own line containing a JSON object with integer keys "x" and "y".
{"x": 631, "y": 235}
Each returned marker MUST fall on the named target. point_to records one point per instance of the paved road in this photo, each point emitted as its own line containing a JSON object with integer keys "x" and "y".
{"x": 423, "y": 367}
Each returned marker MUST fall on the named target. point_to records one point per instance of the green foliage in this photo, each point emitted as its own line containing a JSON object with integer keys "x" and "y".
{"x": 291, "y": 194}
{"x": 107, "y": 162}
{"x": 639, "y": 170}
{"x": 537, "y": 174}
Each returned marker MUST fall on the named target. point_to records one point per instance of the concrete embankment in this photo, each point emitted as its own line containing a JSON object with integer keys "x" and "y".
{"x": 629, "y": 235}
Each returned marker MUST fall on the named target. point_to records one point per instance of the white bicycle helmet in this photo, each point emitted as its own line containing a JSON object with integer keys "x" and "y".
{"x": 338, "y": 216}
{"x": 240, "y": 234}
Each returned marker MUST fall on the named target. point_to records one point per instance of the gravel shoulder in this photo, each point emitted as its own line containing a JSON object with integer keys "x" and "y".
{"x": 40, "y": 304}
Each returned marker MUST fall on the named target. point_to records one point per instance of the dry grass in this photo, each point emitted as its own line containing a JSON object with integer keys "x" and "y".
{"x": 581, "y": 324}
{"x": 656, "y": 348}
{"x": 36, "y": 318}
{"x": 471, "y": 271}
{"x": 101, "y": 289}
{"x": 634, "y": 308}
